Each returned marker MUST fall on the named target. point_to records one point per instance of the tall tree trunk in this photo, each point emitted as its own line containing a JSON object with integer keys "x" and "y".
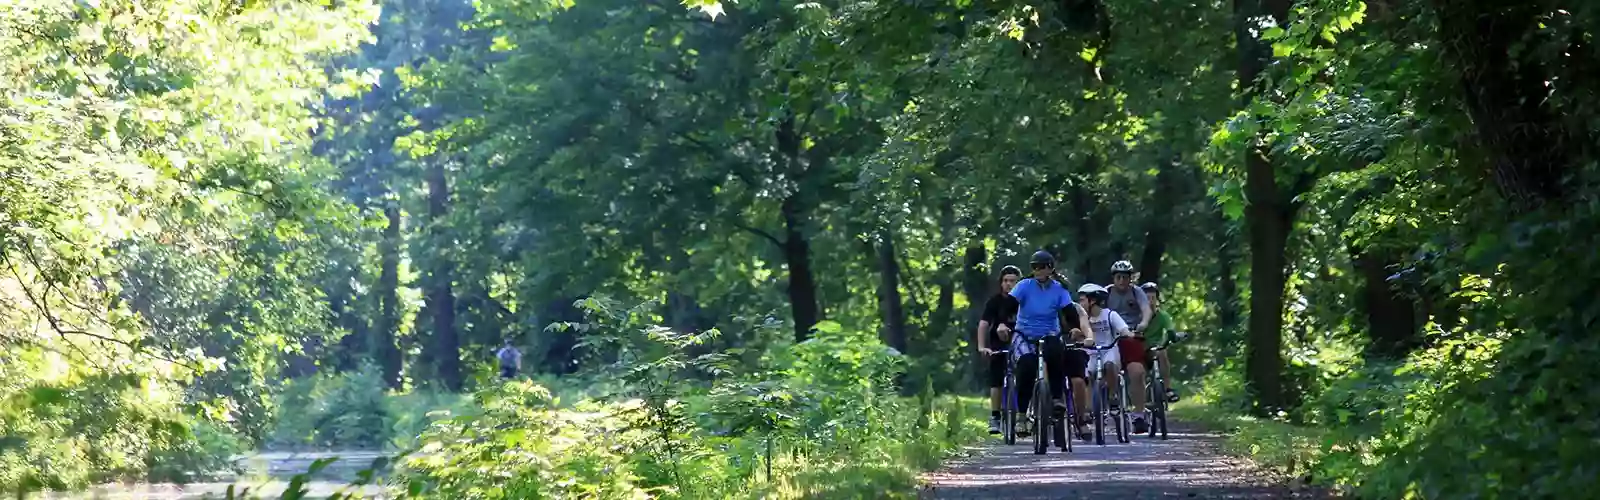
{"x": 1506, "y": 94}
{"x": 384, "y": 346}
{"x": 683, "y": 311}
{"x": 1269, "y": 238}
{"x": 1227, "y": 300}
{"x": 802, "y": 285}
{"x": 1083, "y": 207}
{"x": 353, "y": 345}
{"x": 1391, "y": 315}
{"x": 1156, "y": 230}
{"x": 1270, "y": 216}
{"x": 944, "y": 279}
{"x": 943, "y": 308}
{"x": 975, "y": 284}
{"x": 441, "y": 298}
{"x": 894, "y": 314}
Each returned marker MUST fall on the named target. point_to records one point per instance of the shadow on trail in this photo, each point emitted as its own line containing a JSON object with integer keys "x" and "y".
{"x": 1187, "y": 465}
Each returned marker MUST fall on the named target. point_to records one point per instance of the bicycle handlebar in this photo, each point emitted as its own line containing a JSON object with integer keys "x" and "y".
{"x": 1173, "y": 339}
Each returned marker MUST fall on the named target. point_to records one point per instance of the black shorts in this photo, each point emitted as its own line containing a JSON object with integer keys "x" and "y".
{"x": 1077, "y": 363}
{"x": 508, "y": 371}
{"x": 997, "y": 370}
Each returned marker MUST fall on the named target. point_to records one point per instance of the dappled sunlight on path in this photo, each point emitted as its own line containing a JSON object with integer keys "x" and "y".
{"x": 1187, "y": 465}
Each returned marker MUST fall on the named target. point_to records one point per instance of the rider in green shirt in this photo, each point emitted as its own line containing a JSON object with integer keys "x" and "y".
{"x": 1160, "y": 326}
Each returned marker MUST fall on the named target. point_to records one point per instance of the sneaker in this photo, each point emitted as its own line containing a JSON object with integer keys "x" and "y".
{"x": 1024, "y": 427}
{"x": 1139, "y": 425}
{"x": 1172, "y": 396}
{"x": 1084, "y": 432}
{"x": 994, "y": 425}
{"x": 1060, "y": 411}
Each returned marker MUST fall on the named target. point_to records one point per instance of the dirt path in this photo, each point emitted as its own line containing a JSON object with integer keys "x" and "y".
{"x": 1188, "y": 465}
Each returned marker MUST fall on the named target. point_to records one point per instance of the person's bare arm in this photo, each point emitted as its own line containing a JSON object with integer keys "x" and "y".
{"x": 1144, "y": 307}
{"x": 1083, "y": 321}
{"x": 983, "y": 340}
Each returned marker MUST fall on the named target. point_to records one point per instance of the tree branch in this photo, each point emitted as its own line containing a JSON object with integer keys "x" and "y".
{"x": 42, "y": 303}
{"x": 758, "y": 232}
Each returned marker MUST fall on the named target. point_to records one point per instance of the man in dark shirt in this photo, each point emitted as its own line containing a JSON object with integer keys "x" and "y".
{"x": 994, "y": 334}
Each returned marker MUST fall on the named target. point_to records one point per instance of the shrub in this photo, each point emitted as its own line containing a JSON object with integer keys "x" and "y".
{"x": 334, "y": 410}
{"x": 816, "y": 419}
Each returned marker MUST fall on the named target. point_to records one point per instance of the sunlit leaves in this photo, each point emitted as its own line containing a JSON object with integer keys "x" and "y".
{"x": 712, "y": 8}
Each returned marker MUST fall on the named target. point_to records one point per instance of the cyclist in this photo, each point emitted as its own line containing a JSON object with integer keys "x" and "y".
{"x": 1108, "y": 327}
{"x": 510, "y": 360}
{"x": 1131, "y": 303}
{"x": 1160, "y": 327}
{"x": 1040, "y": 302}
{"x": 1076, "y": 319}
{"x": 994, "y": 329}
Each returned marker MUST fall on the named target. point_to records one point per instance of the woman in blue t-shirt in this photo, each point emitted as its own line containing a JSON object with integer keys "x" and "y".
{"x": 1041, "y": 303}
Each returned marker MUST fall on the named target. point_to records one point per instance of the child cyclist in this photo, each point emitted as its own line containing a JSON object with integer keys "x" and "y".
{"x": 1160, "y": 327}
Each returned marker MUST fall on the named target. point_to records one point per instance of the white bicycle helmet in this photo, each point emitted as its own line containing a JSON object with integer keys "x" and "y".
{"x": 1122, "y": 266}
{"x": 1096, "y": 293}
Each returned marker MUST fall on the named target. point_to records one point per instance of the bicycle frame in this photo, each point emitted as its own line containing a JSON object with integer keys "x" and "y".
{"x": 1010, "y": 401}
{"x": 1156, "y": 386}
{"x": 1099, "y": 394}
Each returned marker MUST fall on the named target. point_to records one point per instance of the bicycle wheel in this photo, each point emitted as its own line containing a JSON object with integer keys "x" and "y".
{"x": 1159, "y": 415}
{"x": 1041, "y": 416}
{"x": 1099, "y": 413}
{"x": 1008, "y": 419}
{"x": 1149, "y": 389}
{"x": 1060, "y": 424}
{"x": 1120, "y": 419}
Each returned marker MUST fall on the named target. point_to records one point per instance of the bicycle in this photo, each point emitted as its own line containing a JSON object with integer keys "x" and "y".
{"x": 1008, "y": 396}
{"x": 1044, "y": 419}
{"x": 1102, "y": 408}
{"x": 1158, "y": 386}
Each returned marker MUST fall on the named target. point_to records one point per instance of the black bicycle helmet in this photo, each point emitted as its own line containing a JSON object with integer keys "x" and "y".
{"x": 1043, "y": 257}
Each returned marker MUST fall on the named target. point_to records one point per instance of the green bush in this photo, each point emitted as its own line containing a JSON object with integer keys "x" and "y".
{"x": 818, "y": 419}
{"x": 1474, "y": 417}
{"x": 522, "y": 447}
{"x": 205, "y": 449}
{"x": 102, "y": 428}
{"x": 333, "y": 410}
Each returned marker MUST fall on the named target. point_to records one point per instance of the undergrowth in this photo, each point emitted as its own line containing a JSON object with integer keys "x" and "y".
{"x": 665, "y": 418}
{"x": 1463, "y": 418}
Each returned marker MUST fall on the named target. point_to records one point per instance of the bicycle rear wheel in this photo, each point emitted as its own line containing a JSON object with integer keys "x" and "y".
{"x": 1060, "y": 424}
{"x": 1008, "y": 419}
{"x": 1041, "y": 416}
{"x": 1123, "y": 417}
{"x": 1158, "y": 416}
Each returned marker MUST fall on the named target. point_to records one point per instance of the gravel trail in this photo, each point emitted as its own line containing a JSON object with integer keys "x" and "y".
{"x": 1187, "y": 465}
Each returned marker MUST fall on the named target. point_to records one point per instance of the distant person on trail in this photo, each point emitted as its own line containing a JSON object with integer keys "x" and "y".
{"x": 1041, "y": 302}
{"x": 1160, "y": 327}
{"x": 994, "y": 333}
{"x": 510, "y": 360}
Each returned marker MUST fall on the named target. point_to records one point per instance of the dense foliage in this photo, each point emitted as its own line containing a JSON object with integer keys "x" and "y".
{"x": 287, "y": 224}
